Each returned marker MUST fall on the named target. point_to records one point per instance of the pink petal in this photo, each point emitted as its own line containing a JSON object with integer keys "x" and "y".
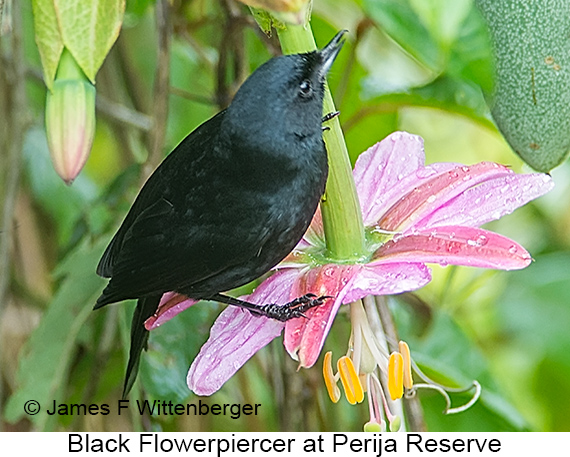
{"x": 433, "y": 193}
{"x": 237, "y": 335}
{"x": 387, "y": 279}
{"x": 455, "y": 245}
{"x": 304, "y": 338}
{"x": 234, "y": 338}
{"x": 390, "y": 169}
{"x": 489, "y": 200}
{"x": 170, "y": 305}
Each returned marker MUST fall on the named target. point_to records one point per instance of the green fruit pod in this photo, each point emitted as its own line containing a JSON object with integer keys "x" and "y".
{"x": 531, "y": 102}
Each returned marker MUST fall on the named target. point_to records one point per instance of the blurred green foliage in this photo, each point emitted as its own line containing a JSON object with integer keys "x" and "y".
{"x": 420, "y": 66}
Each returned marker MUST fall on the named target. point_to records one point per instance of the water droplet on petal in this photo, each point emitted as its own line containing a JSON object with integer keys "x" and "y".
{"x": 482, "y": 240}
{"x": 513, "y": 249}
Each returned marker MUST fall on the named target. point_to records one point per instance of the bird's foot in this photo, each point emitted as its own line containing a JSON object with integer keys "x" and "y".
{"x": 294, "y": 309}
{"x": 329, "y": 116}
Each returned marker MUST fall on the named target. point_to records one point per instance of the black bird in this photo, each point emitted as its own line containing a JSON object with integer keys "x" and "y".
{"x": 230, "y": 202}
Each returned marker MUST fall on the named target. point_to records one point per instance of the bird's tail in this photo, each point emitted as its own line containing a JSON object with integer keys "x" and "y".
{"x": 146, "y": 307}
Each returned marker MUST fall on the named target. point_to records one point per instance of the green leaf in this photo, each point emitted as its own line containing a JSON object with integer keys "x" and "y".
{"x": 402, "y": 23}
{"x": 448, "y": 356}
{"x": 45, "y": 360}
{"x": 450, "y": 94}
{"x": 534, "y": 313}
{"x": 442, "y": 18}
{"x": 48, "y": 38}
{"x": 263, "y": 19}
{"x": 447, "y": 36}
{"x": 89, "y": 29}
{"x": 471, "y": 58}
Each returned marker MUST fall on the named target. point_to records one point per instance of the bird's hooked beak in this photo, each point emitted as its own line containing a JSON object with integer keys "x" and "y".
{"x": 329, "y": 52}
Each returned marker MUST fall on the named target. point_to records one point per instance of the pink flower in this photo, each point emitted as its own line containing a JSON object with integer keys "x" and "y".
{"x": 414, "y": 214}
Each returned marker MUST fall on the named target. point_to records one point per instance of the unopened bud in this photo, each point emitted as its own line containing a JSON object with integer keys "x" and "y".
{"x": 70, "y": 118}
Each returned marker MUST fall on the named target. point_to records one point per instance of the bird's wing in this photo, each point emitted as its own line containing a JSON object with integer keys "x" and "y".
{"x": 184, "y": 157}
{"x": 143, "y": 203}
{"x": 159, "y": 253}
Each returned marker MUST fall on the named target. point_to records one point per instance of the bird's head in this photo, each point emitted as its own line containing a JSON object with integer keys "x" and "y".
{"x": 282, "y": 101}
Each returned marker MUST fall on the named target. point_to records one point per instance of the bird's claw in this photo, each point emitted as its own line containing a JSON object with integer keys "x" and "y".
{"x": 295, "y": 308}
{"x": 329, "y": 116}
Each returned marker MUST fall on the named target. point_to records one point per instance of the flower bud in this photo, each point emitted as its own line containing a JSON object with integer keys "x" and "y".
{"x": 70, "y": 118}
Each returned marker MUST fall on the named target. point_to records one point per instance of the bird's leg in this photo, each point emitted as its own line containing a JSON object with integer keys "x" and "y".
{"x": 328, "y": 117}
{"x": 294, "y": 309}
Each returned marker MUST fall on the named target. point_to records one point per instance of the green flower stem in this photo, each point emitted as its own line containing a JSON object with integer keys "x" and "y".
{"x": 342, "y": 217}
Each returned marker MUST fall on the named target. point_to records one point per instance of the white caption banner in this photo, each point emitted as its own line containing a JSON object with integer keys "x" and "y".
{"x": 280, "y": 444}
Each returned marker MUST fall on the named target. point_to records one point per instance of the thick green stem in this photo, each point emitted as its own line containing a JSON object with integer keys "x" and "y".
{"x": 342, "y": 218}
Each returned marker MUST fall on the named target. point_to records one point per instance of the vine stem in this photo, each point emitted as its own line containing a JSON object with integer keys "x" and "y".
{"x": 342, "y": 217}
{"x": 340, "y": 207}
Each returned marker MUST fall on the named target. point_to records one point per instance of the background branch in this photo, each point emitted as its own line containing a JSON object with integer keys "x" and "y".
{"x": 12, "y": 76}
{"x": 161, "y": 88}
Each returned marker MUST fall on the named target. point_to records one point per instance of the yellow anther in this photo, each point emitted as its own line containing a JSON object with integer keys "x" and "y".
{"x": 350, "y": 382}
{"x": 330, "y": 382}
{"x": 405, "y": 351}
{"x": 396, "y": 375}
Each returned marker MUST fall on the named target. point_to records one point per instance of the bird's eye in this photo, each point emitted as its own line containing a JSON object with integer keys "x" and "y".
{"x": 305, "y": 89}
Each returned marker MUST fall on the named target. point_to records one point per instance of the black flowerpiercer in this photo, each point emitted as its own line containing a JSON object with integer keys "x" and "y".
{"x": 230, "y": 202}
